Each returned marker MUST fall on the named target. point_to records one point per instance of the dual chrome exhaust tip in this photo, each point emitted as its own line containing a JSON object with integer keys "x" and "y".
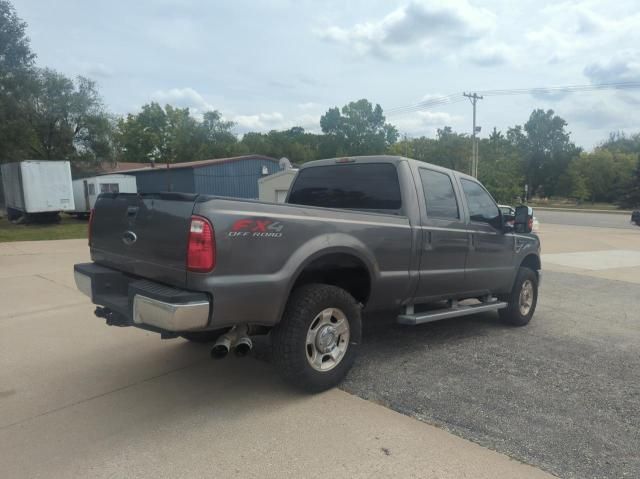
{"x": 236, "y": 339}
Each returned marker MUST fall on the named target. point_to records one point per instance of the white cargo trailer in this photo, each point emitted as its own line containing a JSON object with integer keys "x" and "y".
{"x": 86, "y": 190}
{"x": 41, "y": 188}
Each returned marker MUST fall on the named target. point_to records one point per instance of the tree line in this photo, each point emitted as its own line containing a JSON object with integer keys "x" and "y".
{"x": 46, "y": 115}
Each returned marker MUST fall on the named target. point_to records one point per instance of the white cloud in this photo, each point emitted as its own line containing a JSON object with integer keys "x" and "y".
{"x": 94, "y": 70}
{"x": 490, "y": 55}
{"x": 425, "y": 123}
{"x": 575, "y": 27}
{"x": 264, "y": 122}
{"x": 259, "y": 121}
{"x": 183, "y": 98}
{"x": 606, "y": 114}
{"x": 624, "y": 66}
{"x": 309, "y": 106}
{"x": 423, "y": 25}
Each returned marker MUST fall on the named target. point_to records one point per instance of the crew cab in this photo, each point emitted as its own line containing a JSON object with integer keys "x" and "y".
{"x": 356, "y": 234}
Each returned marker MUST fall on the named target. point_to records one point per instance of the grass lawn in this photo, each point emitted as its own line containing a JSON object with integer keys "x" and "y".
{"x": 68, "y": 228}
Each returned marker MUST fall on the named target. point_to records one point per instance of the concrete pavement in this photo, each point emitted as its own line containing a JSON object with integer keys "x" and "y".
{"x": 607, "y": 253}
{"x": 585, "y": 218}
{"x": 80, "y": 399}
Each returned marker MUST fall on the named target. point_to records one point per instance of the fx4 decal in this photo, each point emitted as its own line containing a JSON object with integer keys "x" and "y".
{"x": 256, "y": 228}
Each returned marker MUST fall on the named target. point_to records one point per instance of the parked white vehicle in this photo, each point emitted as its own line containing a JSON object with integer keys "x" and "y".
{"x": 511, "y": 211}
{"x": 37, "y": 188}
{"x": 86, "y": 190}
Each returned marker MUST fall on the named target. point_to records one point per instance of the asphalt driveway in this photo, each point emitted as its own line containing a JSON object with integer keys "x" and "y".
{"x": 562, "y": 394}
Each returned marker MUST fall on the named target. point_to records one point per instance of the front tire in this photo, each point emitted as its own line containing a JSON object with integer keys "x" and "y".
{"x": 522, "y": 300}
{"x": 316, "y": 342}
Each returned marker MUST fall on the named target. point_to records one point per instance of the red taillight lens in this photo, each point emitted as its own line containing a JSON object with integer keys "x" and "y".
{"x": 92, "y": 214}
{"x": 201, "y": 250}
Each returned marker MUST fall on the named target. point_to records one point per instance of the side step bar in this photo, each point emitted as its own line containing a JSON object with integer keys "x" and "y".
{"x": 455, "y": 311}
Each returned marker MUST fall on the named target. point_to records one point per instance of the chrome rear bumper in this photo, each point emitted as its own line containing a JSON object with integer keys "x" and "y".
{"x": 142, "y": 302}
{"x": 172, "y": 317}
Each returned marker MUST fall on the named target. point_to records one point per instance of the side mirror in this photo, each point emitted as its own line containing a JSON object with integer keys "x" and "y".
{"x": 524, "y": 219}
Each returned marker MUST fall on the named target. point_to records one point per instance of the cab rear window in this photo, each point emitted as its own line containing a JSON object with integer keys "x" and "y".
{"x": 360, "y": 186}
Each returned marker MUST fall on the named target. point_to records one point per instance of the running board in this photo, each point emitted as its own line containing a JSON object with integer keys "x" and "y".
{"x": 453, "y": 312}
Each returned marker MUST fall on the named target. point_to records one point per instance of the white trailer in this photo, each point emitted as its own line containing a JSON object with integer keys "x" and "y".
{"x": 37, "y": 188}
{"x": 86, "y": 190}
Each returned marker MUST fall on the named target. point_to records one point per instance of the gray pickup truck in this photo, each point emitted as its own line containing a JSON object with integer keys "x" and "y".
{"x": 362, "y": 233}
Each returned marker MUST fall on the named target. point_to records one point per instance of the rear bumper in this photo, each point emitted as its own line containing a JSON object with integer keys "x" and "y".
{"x": 132, "y": 301}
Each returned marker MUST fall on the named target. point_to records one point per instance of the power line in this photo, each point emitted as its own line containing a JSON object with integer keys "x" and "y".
{"x": 458, "y": 97}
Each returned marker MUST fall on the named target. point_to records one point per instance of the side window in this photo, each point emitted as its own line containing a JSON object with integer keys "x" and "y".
{"x": 359, "y": 186}
{"x": 92, "y": 189}
{"x": 482, "y": 208}
{"x": 439, "y": 195}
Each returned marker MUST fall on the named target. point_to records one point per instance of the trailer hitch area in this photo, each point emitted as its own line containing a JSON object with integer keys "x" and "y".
{"x": 112, "y": 318}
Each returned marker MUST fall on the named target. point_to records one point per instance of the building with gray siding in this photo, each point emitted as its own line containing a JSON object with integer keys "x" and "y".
{"x": 236, "y": 177}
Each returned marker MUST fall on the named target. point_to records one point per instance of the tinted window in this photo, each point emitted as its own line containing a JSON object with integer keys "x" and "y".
{"x": 439, "y": 195}
{"x": 92, "y": 189}
{"x": 481, "y": 206}
{"x": 363, "y": 186}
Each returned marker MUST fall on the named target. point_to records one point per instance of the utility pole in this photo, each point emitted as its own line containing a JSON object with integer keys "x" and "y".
{"x": 473, "y": 98}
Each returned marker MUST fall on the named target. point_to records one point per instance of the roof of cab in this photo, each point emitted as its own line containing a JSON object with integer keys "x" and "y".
{"x": 380, "y": 159}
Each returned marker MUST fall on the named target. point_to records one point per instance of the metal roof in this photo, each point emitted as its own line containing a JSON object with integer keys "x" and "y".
{"x": 197, "y": 164}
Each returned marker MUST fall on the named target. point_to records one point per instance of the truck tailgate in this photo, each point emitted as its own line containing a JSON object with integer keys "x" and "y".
{"x": 143, "y": 234}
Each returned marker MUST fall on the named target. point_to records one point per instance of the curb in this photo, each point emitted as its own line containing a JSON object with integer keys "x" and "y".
{"x": 582, "y": 210}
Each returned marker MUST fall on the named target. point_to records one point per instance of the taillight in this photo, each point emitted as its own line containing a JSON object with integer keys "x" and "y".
{"x": 90, "y": 228}
{"x": 201, "y": 250}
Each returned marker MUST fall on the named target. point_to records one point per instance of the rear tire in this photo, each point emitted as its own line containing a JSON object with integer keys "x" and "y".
{"x": 522, "y": 300}
{"x": 316, "y": 342}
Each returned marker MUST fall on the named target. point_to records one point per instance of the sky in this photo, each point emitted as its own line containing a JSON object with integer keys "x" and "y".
{"x": 281, "y": 63}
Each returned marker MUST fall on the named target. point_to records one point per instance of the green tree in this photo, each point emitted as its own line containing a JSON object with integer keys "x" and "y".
{"x": 173, "y": 135}
{"x": 17, "y": 82}
{"x": 217, "y": 137}
{"x": 500, "y": 168}
{"x": 620, "y": 142}
{"x": 631, "y": 198}
{"x": 68, "y": 120}
{"x": 294, "y": 143}
{"x": 606, "y": 174}
{"x": 358, "y": 129}
{"x": 448, "y": 149}
{"x": 578, "y": 183}
{"x": 546, "y": 150}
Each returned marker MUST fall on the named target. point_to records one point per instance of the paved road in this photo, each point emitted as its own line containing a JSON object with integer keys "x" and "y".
{"x": 561, "y": 394}
{"x": 80, "y": 399}
{"x": 600, "y": 220}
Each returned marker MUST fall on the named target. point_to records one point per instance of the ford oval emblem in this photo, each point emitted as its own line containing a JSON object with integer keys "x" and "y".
{"x": 129, "y": 237}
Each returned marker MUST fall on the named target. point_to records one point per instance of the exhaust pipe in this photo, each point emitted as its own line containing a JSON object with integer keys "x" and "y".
{"x": 222, "y": 346}
{"x": 243, "y": 346}
{"x": 236, "y": 338}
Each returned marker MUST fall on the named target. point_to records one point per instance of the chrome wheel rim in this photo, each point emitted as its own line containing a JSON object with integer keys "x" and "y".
{"x": 526, "y": 297}
{"x": 327, "y": 339}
